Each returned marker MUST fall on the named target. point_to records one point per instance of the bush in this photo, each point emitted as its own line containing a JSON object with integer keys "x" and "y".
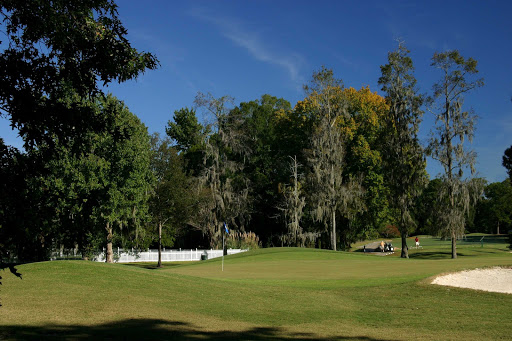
{"x": 370, "y": 234}
{"x": 390, "y": 231}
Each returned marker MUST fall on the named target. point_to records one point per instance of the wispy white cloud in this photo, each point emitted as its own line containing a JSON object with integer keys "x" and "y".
{"x": 170, "y": 55}
{"x": 253, "y": 43}
{"x": 345, "y": 61}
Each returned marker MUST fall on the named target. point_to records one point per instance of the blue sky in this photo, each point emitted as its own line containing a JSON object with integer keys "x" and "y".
{"x": 248, "y": 48}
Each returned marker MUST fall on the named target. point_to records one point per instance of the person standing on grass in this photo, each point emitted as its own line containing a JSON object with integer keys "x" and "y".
{"x": 417, "y": 241}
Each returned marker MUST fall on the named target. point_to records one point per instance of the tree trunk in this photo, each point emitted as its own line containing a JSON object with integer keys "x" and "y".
{"x": 110, "y": 253}
{"x": 498, "y": 230}
{"x": 405, "y": 248}
{"x": 333, "y": 230}
{"x": 454, "y": 246}
{"x": 159, "y": 265}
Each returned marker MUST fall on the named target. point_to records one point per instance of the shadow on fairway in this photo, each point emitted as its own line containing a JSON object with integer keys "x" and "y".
{"x": 152, "y": 329}
{"x": 152, "y": 266}
{"x": 436, "y": 255}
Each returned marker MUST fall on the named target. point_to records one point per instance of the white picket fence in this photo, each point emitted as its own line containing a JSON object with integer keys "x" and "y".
{"x": 129, "y": 256}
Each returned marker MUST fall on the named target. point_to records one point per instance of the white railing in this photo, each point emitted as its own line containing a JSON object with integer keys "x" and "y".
{"x": 127, "y": 256}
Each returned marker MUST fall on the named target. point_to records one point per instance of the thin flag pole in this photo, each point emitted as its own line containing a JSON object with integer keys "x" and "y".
{"x": 223, "y": 234}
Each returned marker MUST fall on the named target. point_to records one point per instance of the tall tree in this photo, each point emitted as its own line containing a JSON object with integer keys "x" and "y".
{"x": 293, "y": 204}
{"x": 267, "y": 165}
{"x": 447, "y": 144}
{"x": 171, "y": 201}
{"x": 78, "y": 186}
{"x": 333, "y": 195}
{"x": 54, "y": 47}
{"x": 403, "y": 154}
{"x": 127, "y": 175}
{"x": 222, "y": 175}
{"x": 365, "y": 129}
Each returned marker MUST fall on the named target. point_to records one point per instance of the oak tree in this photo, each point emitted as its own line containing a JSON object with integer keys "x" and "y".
{"x": 51, "y": 48}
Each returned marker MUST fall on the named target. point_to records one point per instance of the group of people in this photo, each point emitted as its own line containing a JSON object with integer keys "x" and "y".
{"x": 386, "y": 247}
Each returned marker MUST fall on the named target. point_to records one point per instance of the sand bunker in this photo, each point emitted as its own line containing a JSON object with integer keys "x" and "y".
{"x": 494, "y": 279}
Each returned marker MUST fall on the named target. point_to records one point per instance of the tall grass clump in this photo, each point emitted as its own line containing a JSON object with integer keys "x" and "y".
{"x": 243, "y": 240}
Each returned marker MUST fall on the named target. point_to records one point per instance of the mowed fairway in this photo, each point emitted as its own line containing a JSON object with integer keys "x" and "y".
{"x": 267, "y": 294}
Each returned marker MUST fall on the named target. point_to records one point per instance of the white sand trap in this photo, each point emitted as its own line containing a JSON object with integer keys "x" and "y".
{"x": 494, "y": 279}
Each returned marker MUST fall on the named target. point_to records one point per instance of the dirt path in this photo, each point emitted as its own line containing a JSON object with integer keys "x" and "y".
{"x": 374, "y": 249}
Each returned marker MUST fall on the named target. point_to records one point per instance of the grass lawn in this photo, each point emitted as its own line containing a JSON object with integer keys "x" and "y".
{"x": 267, "y": 294}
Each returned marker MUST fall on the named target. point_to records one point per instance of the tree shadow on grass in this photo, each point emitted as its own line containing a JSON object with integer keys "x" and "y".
{"x": 463, "y": 253}
{"x": 437, "y": 255}
{"x": 153, "y": 329}
{"x": 152, "y": 266}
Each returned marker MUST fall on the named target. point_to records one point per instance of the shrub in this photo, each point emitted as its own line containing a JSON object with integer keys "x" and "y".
{"x": 390, "y": 231}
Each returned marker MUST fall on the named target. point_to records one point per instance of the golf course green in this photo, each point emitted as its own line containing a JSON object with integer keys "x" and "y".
{"x": 265, "y": 294}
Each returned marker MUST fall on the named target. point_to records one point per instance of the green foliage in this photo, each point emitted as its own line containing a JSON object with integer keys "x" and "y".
{"x": 57, "y": 47}
{"x": 507, "y": 161}
{"x": 364, "y": 128}
{"x": 426, "y": 208}
{"x": 403, "y": 156}
{"x": 222, "y": 175}
{"x": 172, "y": 201}
{"x": 334, "y": 196}
{"x": 185, "y": 129}
{"x": 390, "y": 231}
{"x": 92, "y": 181}
{"x": 267, "y": 164}
{"x": 494, "y": 211}
{"x": 54, "y": 55}
{"x": 453, "y": 126}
